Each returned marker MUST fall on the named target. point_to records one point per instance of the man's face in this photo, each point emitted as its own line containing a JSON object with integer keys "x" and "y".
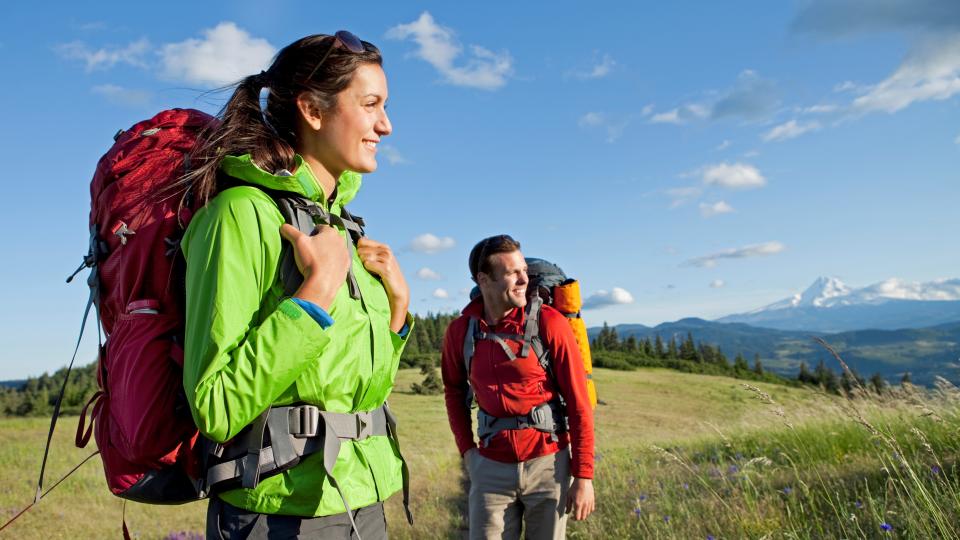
{"x": 505, "y": 287}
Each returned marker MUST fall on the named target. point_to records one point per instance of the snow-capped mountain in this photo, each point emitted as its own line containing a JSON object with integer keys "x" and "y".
{"x": 829, "y": 305}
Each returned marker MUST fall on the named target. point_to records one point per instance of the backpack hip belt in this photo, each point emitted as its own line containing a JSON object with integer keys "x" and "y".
{"x": 295, "y": 432}
{"x": 547, "y": 417}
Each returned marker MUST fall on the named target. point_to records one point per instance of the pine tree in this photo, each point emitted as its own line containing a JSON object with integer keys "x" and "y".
{"x": 672, "y": 348}
{"x": 906, "y": 379}
{"x": 708, "y": 354}
{"x": 658, "y": 348}
{"x": 877, "y": 383}
{"x": 722, "y": 359}
{"x": 688, "y": 350}
{"x": 648, "y": 348}
{"x": 757, "y": 366}
{"x": 804, "y": 375}
{"x": 826, "y": 378}
{"x": 740, "y": 364}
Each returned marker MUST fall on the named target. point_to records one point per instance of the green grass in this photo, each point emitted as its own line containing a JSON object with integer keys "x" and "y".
{"x": 679, "y": 456}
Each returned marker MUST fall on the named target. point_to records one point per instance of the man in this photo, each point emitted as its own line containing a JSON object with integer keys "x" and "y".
{"x": 523, "y": 465}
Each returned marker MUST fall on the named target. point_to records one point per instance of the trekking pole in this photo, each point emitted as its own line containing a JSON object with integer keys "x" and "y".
{"x": 31, "y": 505}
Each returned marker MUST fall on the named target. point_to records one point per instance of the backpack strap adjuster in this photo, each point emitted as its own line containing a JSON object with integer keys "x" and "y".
{"x": 304, "y": 421}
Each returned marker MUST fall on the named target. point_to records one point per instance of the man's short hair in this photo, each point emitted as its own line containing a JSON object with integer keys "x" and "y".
{"x": 480, "y": 254}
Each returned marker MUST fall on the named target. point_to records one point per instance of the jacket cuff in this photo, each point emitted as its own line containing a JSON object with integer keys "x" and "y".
{"x": 316, "y": 312}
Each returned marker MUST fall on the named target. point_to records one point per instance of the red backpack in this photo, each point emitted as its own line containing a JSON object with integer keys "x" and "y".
{"x": 140, "y": 417}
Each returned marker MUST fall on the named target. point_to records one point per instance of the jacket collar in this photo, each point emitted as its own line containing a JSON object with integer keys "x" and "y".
{"x": 475, "y": 310}
{"x": 302, "y": 181}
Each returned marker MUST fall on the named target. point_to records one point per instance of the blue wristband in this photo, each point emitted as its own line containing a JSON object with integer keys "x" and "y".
{"x": 318, "y": 313}
{"x": 404, "y": 331}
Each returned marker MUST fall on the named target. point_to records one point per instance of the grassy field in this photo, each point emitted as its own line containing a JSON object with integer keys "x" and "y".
{"x": 679, "y": 456}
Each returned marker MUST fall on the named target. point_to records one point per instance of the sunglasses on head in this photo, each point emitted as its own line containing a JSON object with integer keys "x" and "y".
{"x": 342, "y": 39}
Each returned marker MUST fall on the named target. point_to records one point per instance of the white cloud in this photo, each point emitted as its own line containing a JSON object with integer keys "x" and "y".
{"x": 393, "y": 155}
{"x": 724, "y": 145}
{"x": 441, "y": 293}
{"x": 224, "y": 55}
{"x": 682, "y": 195}
{"x": 591, "y": 119}
{"x": 715, "y": 209}
{"x": 751, "y": 98}
{"x": 733, "y": 176}
{"x": 429, "y": 243}
{"x": 957, "y": 140}
{"x": 133, "y": 54}
{"x": 930, "y": 72}
{"x": 846, "y": 86}
{"x": 614, "y": 128}
{"x": 754, "y": 250}
{"x": 717, "y": 284}
{"x": 647, "y": 109}
{"x": 681, "y": 115}
{"x": 428, "y": 274}
{"x": 121, "y": 95}
{"x": 482, "y": 69}
{"x": 598, "y": 71}
{"x": 789, "y": 130}
{"x": 604, "y": 298}
{"x": 820, "y": 109}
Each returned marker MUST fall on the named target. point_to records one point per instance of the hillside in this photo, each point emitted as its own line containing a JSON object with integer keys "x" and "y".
{"x": 643, "y": 407}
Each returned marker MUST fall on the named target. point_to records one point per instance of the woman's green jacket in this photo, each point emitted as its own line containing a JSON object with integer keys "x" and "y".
{"x": 248, "y": 347}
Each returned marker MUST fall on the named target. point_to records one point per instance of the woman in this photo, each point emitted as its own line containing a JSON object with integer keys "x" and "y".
{"x": 335, "y": 343}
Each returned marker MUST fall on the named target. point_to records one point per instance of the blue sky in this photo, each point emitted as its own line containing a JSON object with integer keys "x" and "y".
{"x": 680, "y": 159}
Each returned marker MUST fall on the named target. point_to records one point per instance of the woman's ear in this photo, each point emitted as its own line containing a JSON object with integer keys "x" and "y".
{"x": 309, "y": 111}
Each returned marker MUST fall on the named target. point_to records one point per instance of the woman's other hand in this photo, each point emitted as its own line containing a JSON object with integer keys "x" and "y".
{"x": 323, "y": 260}
{"x": 378, "y": 259}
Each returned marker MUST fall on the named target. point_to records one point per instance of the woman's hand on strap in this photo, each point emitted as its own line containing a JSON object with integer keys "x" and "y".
{"x": 378, "y": 259}
{"x": 323, "y": 260}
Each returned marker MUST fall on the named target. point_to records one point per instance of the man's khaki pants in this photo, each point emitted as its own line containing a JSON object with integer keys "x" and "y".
{"x": 504, "y": 494}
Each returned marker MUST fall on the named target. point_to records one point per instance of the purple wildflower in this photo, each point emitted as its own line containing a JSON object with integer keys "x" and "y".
{"x": 739, "y": 455}
{"x": 935, "y": 470}
{"x": 733, "y": 469}
{"x": 858, "y": 504}
{"x": 666, "y": 519}
{"x": 787, "y": 490}
{"x": 643, "y": 497}
{"x": 637, "y": 511}
{"x": 886, "y": 526}
{"x": 686, "y": 485}
{"x": 711, "y": 537}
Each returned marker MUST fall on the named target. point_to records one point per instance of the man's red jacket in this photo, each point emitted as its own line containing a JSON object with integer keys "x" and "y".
{"x": 512, "y": 388}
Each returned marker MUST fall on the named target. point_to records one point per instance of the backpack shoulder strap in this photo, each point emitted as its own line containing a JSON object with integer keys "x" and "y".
{"x": 532, "y": 328}
{"x": 469, "y": 348}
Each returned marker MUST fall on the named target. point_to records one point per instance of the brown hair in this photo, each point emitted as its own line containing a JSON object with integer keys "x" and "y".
{"x": 270, "y": 135}
{"x": 479, "y": 260}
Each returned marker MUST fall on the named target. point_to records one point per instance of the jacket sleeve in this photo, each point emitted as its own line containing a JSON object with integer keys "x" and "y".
{"x": 237, "y": 360}
{"x": 455, "y": 386}
{"x": 572, "y": 379}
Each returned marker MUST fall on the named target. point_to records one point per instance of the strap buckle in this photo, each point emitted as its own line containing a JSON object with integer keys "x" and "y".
{"x": 304, "y": 421}
{"x": 364, "y": 425}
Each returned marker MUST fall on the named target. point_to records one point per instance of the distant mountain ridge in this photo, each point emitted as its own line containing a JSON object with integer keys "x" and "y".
{"x": 924, "y": 352}
{"x": 829, "y": 305}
